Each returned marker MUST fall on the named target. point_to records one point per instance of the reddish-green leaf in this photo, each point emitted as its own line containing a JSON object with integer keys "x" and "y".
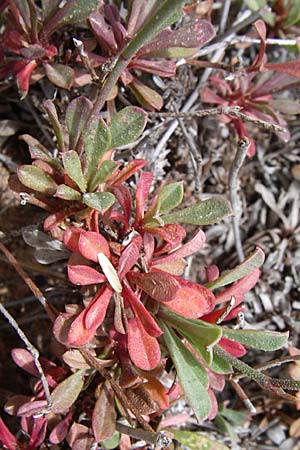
{"x": 127, "y": 125}
{"x": 196, "y": 441}
{"x": 191, "y": 373}
{"x": 72, "y": 165}
{"x": 66, "y": 392}
{"x": 76, "y": 116}
{"x": 60, "y": 75}
{"x": 251, "y": 263}
{"x": 147, "y": 97}
{"x": 104, "y": 414}
{"x": 36, "y": 179}
{"x": 205, "y": 213}
{"x": 37, "y": 150}
{"x": 100, "y": 201}
{"x": 148, "y": 355}
{"x": 102, "y": 174}
{"x": 67, "y": 193}
{"x": 159, "y": 285}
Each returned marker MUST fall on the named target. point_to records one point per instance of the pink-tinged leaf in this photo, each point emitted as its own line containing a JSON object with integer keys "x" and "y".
{"x": 79, "y": 437}
{"x": 61, "y": 327}
{"x": 192, "y": 300}
{"x": 81, "y": 274}
{"x": 60, "y": 75}
{"x": 239, "y": 289}
{"x": 260, "y": 27}
{"x": 103, "y": 32}
{"x": 161, "y": 286}
{"x": 147, "y": 97}
{"x": 129, "y": 170}
{"x": 192, "y": 35}
{"x": 96, "y": 311}
{"x": 71, "y": 238}
{"x": 232, "y": 347}
{"x": 23, "y": 358}
{"x": 91, "y": 243}
{"x": 78, "y": 334}
{"x": 23, "y": 78}
{"x": 113, "y": 16}
{"x": 74, "y": 359}
{"x": 173, "y": 267}
{"x": 31, "y": 408}
{"x": 187, "y": 249}
{"x": 149, "y": 245}
{"x": 104, "y": 414}
{"x": 242, "y": 132}
{"x": 129, "y": 256}
{"x": 291, "y": 68}
{"x": 56, "y": 219}
{"x": 7, "y": 438}
{"x": 212, "y": 273}
{"x": 172, "y": 234}
{"x": 160, "y": 68}
{"x": 139, "y": 309}
{"x": 60, "y": 431}
{"x": 141, "y": 195}
{"x": 66, "y": 392}
{"x": 214, "y": 405}
{"x": 38, "y": 433}
{"x": 208, "y": 96}
{"x": 123, "y": 196}
{"x": 148, "y": 355}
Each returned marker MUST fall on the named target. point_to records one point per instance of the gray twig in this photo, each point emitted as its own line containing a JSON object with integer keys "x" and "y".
{"x": 33, "y": 351}
{"x": 242, "y": 149}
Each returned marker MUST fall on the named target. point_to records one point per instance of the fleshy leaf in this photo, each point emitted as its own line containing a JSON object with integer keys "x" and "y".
{"x": 66, "y": 392}
{"x": 159, "y": 285}
{"x": 96, "y": 140}
{"x": 191, "y": 373}
{"x": 104, "y": 414}
{"x": 67, "y": 193}
{"x": 76, "y": 116}
{"x": 102, "y": 174}
{"x": 251, "y": 263}
{"x": 148, "y": 355}
{"x": 91, "y": 243}
{"x": 196, "y": 441}
{"x": 261, "y": 340}
{"x": 100, "y": 201}
{"x": 83, "y": 275}
{"x": 36, "y": 179}
{"x": 72, "y": 165}
{"x": 60, "y": 75}
{"x": 127, "y": 125}
{"x": 205, "y": 213}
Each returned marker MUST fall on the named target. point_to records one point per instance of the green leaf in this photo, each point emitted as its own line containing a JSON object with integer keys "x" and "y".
{"x": 192, "y": 375}
{"x": 196, "y": 441}
{"x": 96, "y": 140}
{"x": 252, "y": 262}
{"x": 66, "y": 392}
{"x": 72, "y": 165}
{"x": 235, "y": 417}
{"x": 127, "y": 125}
{"x": 219, "y": 365}
{"x": 205, "y": 213}
{"x": 67, "y": 193}
{"x": 99, "y": 200}
{"x": 202, "y": 335}
{"x": 36, "y": 179}
{"x": 227, "y": 428}
{"x": 112, "y": 442}
{"x": 102, "y": 174}
{"x": 60, "y": 75}
{"x": 169, "y": 197}
{"x": 262, "y": 340}
{"x": 76, "y": 116}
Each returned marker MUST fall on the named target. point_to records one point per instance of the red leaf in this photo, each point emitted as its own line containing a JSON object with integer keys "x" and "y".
{"x": 141, "y": 195}
{"x": 129, "y": 256}
{"x": 240, "y": 288}
{"x": 123, "y": 196}
{"x": 71, "y": 238}
{"x": 149, "y": 245}
{"x": 187, "y": 249}
{"x": 30, "y": 408}
{"x": 24, "y": 359}
{"x": 139, "y": 309}
{"x": 38, "y": 433}
{"x": 172, "y": 234}
{"x": 130, "y": 169}
{"x": 23, "y": 77}
{"x": 234, "y": 348}
{"x": 262, "y": 33}
{"x": 212, "y": 273}
{"x": 81, "y": 274}
{"x": 7, "y": 439}
{"x": 290, "y": 67}
{"x": 144, "y": 350}
{"x": 59, "y": 432}
{"x": 161, "y": 286}
{"x": 192, "y": 300}
{"x": 96, "y": 311}
{"x": 91, "y": 243}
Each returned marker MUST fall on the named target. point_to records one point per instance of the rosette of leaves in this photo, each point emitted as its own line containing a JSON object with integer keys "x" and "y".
{"x": 73, "y": 183}
{"x": 27, "y": 42}
{"x": 113, "y": 34}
